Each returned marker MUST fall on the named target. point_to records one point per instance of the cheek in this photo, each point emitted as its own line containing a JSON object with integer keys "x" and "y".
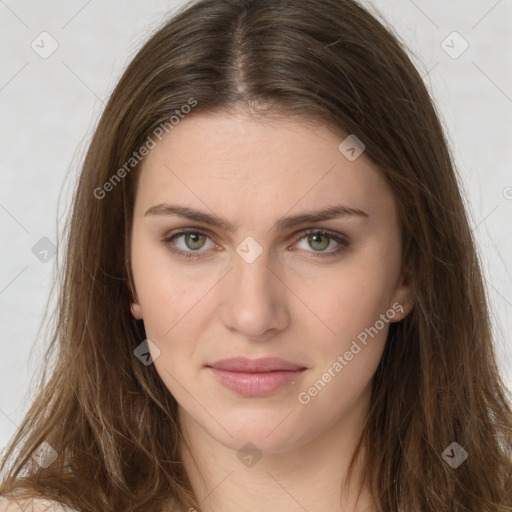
{"x": 171, "y": 306}
{"x": 355, "y": 306}
{"x": 352, "y": 298}
{"x": 348, "y": 354}
{"x": 346, "y": 350}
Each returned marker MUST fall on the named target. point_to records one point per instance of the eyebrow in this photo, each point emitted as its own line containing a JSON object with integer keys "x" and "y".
{"x": 284, "y": 223}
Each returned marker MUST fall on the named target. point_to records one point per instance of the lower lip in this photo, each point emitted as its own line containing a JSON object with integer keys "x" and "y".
{"x": 255, "y": 384}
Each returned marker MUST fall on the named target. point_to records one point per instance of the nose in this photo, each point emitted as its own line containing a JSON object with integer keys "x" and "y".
{"x": 255, "y": 299}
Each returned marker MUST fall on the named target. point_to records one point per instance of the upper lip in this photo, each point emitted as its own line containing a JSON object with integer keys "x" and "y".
{"x": 264, "y": 364}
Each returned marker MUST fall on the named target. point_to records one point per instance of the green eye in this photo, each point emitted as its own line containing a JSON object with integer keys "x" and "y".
{"x": 189, "y": 243}
{"x": 194, "y": 241}
{"x": 314, "y": 240}
{"x": 319, "y": 240}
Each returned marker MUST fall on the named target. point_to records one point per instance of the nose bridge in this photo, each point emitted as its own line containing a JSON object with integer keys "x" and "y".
{"x": 255, "y": 301}
{"x": 253, "y": 280}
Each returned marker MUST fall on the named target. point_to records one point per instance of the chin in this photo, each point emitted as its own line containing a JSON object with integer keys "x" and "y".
{"x": 268, "y": 433}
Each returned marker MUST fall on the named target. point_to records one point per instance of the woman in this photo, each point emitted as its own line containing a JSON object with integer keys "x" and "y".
{"x": 271, "y": 296}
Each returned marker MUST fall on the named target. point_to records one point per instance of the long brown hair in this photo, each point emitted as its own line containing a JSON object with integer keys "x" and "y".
{"x": 111, "y": 420}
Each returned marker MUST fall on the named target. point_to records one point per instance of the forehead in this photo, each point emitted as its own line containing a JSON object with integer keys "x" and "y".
{"x": 227, "y": 161}
{"x": 222, "y": 140}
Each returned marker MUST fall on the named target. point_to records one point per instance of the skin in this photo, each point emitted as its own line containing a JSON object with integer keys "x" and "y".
{"x": 288, "y": 303}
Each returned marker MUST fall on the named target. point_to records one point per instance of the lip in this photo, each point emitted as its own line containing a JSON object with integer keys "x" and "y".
{"x": 263, "y": 364}
{"x": 255, "y": 377}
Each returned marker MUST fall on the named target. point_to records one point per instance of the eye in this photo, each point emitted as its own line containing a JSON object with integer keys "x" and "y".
{"x": 190, "y": 243}
{"x": 319, "y": 240}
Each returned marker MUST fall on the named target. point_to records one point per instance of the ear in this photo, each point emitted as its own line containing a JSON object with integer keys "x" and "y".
{"x": 136, "y": 310}
{"x": 135, "y": 306}
{"x": 402, "y": 301}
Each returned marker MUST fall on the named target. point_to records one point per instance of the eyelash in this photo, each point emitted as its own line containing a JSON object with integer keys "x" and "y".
{"x": 337, "y": 237}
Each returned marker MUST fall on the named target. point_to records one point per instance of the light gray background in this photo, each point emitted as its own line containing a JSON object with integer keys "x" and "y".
{"x": 50, "y": 106}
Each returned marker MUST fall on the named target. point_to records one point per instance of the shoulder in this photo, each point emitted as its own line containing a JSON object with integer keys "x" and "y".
{"x": 32, "y": 505}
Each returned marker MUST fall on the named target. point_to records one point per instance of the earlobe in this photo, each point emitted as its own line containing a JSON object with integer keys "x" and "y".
{"x": 401, "y": 309}
{"x": 136, "y": 310}
{"x": 403, "y": 301}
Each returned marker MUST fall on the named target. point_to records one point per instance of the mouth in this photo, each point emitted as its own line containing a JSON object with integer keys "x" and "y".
{"x": 255, "y": 377}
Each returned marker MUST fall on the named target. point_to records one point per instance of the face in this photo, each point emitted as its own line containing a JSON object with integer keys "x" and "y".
{"x": 227, "y": 264}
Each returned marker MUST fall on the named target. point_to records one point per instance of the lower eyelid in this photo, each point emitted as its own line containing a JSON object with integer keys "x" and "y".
{"x": 332, "y": 253}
